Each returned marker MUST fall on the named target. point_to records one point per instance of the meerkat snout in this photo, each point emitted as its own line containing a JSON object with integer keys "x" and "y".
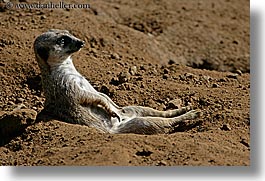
{"x": 70, "y": 44}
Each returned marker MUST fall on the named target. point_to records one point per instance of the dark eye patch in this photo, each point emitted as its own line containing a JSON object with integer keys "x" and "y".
{"x": 63, "y": 40}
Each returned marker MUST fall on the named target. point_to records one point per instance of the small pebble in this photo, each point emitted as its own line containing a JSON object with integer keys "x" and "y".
{"x": 114, "y": 56}
{"x": 226, "y": 127}
{"x": 43, "y": 17}
{"x": 233, "y": 76}
{"x": 239, "y": 72}
{"x": 174, "y": 104}
{"x": 133, "y": 70}
{"x": 215, "y": 85}
{"x": 171, "y": 62}
{"x": 20, "y": 99}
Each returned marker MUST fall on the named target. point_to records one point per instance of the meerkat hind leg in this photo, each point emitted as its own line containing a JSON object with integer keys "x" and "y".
{"x": 152, "y": 125}
{"x": 141, "y": 111}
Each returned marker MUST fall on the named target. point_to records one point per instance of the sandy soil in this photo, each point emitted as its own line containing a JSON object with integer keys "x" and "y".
{"x": 193, "y": 51}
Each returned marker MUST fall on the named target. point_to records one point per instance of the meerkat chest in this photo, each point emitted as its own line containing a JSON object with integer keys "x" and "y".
{"x": 84, "y": 84}
{"x": 70, "y": 77}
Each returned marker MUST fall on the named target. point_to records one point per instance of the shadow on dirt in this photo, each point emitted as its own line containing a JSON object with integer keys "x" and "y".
{"x": 13, "y": 123}
{"x": 183, "y": 127}
{"x": 34, "y": 83}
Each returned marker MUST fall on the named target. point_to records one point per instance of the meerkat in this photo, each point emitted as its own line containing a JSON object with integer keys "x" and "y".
{"x": 71, "y": 98}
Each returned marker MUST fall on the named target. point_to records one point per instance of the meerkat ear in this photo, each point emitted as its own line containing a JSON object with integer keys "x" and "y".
{"x": 43, "y": 53}
{"x": 51, "y": 30}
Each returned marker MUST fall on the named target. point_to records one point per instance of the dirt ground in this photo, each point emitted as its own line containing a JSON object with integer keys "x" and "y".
{"x": 193, "y": 51}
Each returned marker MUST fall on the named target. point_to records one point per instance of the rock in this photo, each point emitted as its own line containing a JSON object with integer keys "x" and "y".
{"x": 239, "y": 72}
{"x": 128, "y": 86}
{"x": 165, "y": 76}
{"x": 174, "y": 104}
{"x": 143, "y": 85}
{"x": 124, "y": 77}
{"x": 94, "y": 51}
{"x": 171, "y": 62}
{"x": 114, "y": 56}
{"x": 204, "y": 101}
{"x": 20, "y": 100}
{"x": 189, "y": 75}
{"x": 20, "y": 106}
{"x": 161, "y": 163}
{"x": 166, "y": 71}
{"x": 142, "y": 67}
{"x": 133, "y": 70}
{"x": 226, "y": 127}
{"x": 223, "y": 79}
{"x": 115, "y": 81}
{"x": 215, "y": 85}
{"x": 121, "y": 78}
{"x": 233, "y": 76}
{"x": 43, "y": 17}
{"x": 107, "y": 90}
{"x": 10, "y": 103}
{"x": 207, "y": 78}
{"x": 154, "y": 71}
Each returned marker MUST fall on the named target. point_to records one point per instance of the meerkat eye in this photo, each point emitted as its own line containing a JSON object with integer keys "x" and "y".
{"x": 60, "y": 41}
{"x": 64, "y": 40}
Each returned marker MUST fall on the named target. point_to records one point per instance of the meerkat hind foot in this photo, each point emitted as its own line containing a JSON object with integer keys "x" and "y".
{"x": 179, "y": 112}
{"x": 191, "y": 115}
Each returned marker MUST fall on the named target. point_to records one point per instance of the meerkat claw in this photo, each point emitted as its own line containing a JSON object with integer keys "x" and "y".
{"x": 114, "y": 115}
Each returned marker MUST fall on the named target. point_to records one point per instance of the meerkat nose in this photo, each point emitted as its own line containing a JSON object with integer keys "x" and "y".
{"x": 80, "y": 44}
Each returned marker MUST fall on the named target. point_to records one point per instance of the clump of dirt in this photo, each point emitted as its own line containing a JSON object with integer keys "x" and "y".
{"x": 161, "y": 54}
{"x": 13, "y": 123}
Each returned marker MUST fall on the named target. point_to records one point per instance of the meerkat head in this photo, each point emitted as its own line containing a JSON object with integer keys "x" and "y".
{"x": 55, "y": 46}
